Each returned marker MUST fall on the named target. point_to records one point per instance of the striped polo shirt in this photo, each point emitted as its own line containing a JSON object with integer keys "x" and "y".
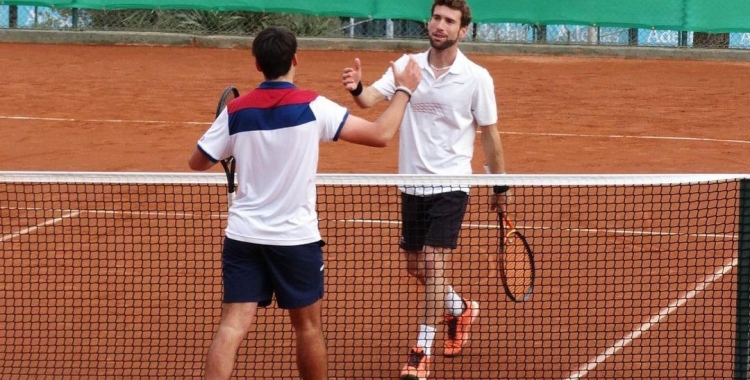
{"x": 274, "y": 133}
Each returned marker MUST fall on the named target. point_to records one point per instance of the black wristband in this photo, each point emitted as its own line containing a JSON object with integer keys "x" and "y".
{"x": 500, "y": 189}
{"x": 404, "y": 91}
{"x": 357, "y": 90}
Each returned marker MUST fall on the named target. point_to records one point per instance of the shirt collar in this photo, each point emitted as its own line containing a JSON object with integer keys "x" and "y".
{"x": 457, "y": 67}
{"x": 276, "y": 85}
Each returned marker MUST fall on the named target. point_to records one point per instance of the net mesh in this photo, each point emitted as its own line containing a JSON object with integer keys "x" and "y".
{"x": 118, "y": 275}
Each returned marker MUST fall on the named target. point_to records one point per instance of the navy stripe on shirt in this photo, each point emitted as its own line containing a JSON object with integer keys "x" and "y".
{"x": 268, "y": 119}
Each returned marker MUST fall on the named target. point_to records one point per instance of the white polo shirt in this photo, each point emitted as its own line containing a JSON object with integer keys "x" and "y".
{"x": 274, "y": 133}
{"x": 440, "y": 124}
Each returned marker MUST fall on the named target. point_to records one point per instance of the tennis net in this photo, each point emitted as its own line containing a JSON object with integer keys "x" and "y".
{"x": 118, "y": 275}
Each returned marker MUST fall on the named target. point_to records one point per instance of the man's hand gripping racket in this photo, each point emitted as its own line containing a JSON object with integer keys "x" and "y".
{"x": 515, "y": 259}
{"x": 228, "y": 163}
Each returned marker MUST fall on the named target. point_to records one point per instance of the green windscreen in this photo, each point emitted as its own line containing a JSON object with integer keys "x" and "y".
{"x": 695, "y": 15}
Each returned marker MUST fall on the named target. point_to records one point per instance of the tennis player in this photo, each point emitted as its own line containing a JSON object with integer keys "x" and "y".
{"x": 273, "y": 244}
{"x": 454, "y": 99}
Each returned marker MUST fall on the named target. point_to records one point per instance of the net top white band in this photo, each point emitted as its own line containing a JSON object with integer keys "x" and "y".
{"x": 375, "y": 179}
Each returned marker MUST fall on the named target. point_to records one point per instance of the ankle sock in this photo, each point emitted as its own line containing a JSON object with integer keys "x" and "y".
{"x": 454, "y": 304}
{"x": 425, "y": 338}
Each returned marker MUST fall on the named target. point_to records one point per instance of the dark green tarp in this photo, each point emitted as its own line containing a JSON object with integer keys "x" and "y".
{"x": 695, "y": 15}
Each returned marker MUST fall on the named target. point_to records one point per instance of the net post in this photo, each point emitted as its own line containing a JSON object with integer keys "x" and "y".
{"x": 743, "y": 285}
{"x": 13, "y": 16}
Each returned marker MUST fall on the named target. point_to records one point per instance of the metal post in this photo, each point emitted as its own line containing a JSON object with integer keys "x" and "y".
{"x": 633, "y": 36}
{"x": 742, "y": 315}
{"x": 540, "y": 33}
{"x": 682, "y": 39}
{"x": 75, "y": 18}
{"x": 13, "y": 16}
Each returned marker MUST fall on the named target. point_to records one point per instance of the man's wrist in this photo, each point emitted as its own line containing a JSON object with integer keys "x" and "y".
{"x": 405, "y": 90}
{"x": 357, "y": 90}
{"x": 488, "y": 171}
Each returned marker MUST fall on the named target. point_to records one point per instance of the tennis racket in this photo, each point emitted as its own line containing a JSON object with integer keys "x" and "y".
{"x": 515, "y": 262}
{"x": 229, "y": 164}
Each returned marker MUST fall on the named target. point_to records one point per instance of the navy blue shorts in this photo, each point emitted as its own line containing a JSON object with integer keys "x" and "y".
{"x": 433, "y": 220}
{"x": 255, "y": 272}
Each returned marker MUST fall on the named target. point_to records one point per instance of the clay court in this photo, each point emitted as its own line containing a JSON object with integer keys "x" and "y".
{"x": 142, "y": 109}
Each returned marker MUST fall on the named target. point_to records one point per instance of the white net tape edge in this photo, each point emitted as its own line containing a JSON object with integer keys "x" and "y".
{"x": 375, "y": 179}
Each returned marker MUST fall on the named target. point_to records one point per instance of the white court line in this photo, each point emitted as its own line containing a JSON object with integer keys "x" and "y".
{"x": 586, "y": 230}
{"x": 663, "y": 313}
{"x": 113, "y": 121}
{"x": 160, "y": 214}
{"x": 25, "y": 231}
{"x": 167, "y": 214}
{"x": 629, "y": 137}
{"x": 120, "y": 121}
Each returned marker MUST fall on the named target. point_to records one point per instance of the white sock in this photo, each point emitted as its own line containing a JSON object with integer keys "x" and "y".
{"x": 454, "y": 304}
{"x": 425, "y": 338}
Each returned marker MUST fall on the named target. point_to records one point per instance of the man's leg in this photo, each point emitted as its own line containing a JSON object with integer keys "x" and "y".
{"x": 236, "y": 319}
{"x": 312, "y": 358}
{"x": 427, "y": 268}
{"x": 435, "y": 284}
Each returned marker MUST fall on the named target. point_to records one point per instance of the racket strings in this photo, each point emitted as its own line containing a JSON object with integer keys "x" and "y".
{"x": 516, "y": 265}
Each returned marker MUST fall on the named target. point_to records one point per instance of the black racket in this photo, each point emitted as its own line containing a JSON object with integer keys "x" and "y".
{"x": 229, "y": 164}
{"x": 515, "y": 262}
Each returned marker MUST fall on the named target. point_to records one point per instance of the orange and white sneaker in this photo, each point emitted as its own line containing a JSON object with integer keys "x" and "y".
{"x": 458, "y": 328}
{"x": 418, "y": 366}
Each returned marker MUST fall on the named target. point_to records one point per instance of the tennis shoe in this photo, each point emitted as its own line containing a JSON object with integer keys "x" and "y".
{"x": 418, "y": 366}
{"x": 458, "y": 328}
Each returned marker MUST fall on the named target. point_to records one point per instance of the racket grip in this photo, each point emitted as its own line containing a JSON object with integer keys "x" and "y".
{"x": 230, "y": 199}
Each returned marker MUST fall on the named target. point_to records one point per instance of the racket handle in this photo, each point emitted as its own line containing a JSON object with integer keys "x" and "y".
{"x": 230, "y": 199}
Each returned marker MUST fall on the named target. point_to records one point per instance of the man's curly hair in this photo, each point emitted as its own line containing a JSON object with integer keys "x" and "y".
{"x": 458, "y": 5}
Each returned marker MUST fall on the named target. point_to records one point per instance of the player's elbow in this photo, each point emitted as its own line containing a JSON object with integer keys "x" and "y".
{"x": 199, "y": 162}
{"x": 194, "y": 166}
{"x": 383, "y": 138}
{"x": 380, "y": 143}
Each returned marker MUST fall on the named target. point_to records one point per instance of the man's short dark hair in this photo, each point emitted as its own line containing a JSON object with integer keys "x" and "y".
{"x": 274, "y": 49}
{"x": 456, "y": 5}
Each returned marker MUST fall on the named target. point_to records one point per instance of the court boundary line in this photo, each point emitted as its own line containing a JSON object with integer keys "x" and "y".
{"x": 575, "y": 135}
{"x": 166, "y": 214}
{"x": 613, "y": 231}
{"x": 48, "y": 222}
{"x": 220, "y": 215}
{"x": 616, "y": 347}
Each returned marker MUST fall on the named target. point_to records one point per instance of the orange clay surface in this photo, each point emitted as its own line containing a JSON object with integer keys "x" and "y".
{"x": 125, "y": 108}
{"x": 112, "y": 108}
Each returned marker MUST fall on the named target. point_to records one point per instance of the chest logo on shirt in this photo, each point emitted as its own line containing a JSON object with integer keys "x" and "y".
{"x": 436, "y": 109}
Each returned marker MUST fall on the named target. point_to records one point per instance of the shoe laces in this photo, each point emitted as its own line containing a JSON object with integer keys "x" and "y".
{"x": 452, "y": 328}
{"x": 415, "y": 358}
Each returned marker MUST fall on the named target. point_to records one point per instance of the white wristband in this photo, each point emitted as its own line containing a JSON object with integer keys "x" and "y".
{"x": 404, "y": 89}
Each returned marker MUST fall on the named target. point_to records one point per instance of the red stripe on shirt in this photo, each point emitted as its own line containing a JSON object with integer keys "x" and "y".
{"x": 271, "y": 98}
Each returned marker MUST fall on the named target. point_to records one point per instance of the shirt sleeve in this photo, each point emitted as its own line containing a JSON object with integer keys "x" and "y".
{"x": 216, "y": 142}
{"x": 386, "y": 85}
{"x": 483, "y": 103}
{"x": 331, "y": 117}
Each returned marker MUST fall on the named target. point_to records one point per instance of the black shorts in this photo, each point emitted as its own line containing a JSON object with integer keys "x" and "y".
{"x": 255, "y": 272}
{"x": 433, "y": 220}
